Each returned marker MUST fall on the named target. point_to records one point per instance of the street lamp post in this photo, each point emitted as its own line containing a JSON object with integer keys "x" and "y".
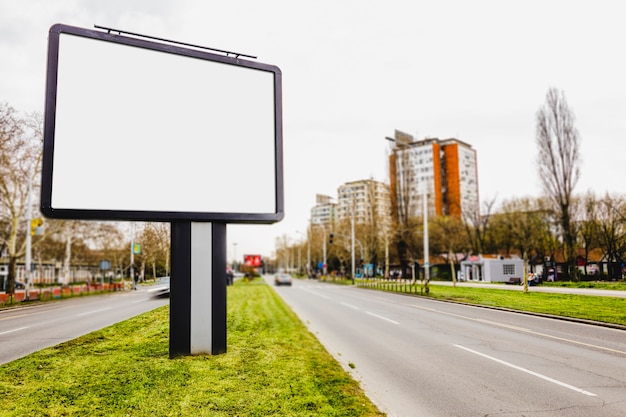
{"x": 426, "y": 252}
{"x": 352, "y": 245}
{"x": 324, "y": 248}
{"x": 308, "y": 251}
{"x": 132, "y": 254}
{"x": 29, "y": 215}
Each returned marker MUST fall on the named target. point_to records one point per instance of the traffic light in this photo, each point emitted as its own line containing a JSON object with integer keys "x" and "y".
{"x": 36, "y": 227}
{"x": 331, "y": 236}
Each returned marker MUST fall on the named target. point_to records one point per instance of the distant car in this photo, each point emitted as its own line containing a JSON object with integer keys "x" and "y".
{"x": 19, "y": 285}
{"x": 282, "y": 279}
{"x": 161, "y": 287}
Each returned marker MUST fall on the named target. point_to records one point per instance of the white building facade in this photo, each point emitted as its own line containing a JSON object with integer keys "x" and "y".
{"x": 367, "y": 201}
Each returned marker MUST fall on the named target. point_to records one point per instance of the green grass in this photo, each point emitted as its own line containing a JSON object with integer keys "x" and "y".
{"x": 602, "y": 309}
{"x": 600, "y": 285}
{"x": 274, "y": 367}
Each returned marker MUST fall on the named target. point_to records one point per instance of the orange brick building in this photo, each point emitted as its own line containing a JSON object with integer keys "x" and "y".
{"x": 446, "y": 170}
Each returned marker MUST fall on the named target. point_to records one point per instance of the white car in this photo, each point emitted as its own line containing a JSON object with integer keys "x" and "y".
{"x": 282, "y": 279}
{"x": 161, "y": 287}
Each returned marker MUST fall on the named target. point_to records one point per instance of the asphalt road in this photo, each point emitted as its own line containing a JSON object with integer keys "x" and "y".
{"x": 24, "y": 330}
{"x": 420, "y": 357}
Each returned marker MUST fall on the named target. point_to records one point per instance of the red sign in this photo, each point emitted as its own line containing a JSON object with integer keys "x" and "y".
{"x": 252, "y": 260}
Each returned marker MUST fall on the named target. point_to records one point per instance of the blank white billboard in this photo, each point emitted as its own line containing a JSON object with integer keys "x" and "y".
{"x": 140, "y": 130}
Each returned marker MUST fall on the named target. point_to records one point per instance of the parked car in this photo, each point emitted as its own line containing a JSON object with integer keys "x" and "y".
{"x": 282, "y": 279}
{"x": 19, "y": 285}
{"x": 161, "y": 288}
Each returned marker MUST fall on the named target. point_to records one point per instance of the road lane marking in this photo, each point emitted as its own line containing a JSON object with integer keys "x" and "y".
{"x": 520, "y": 329}
{"x": 382, "y": 318}
{"x": 528, "y": 371}
{"x": 350, "y": 305}
{"x": 93, "y": 312}
{"x": 14, "y": 317}
{"x": 318, "y": 294}
{"x": 31, "y": 312}
{"x": 14, "y": 330}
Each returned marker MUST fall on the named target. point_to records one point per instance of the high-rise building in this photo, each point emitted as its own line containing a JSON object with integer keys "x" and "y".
{"x": 324, "y": 211}
{"x": 367, "y": 201}
{"x": 446, "y": 170}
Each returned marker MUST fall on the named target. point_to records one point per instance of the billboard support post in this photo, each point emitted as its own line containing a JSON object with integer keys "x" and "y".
{"x": 198, "y": 294}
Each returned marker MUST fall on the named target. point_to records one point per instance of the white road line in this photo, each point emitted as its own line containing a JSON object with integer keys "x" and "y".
{"x": 14, "y": 330}
{"x": 520, "y": 329}
{"x": 317, "y": 294}
{"x": 528, "y": 371}
{"x": 93, "y": 312}
{"x": 382, "y": 318}
{"x": 350, "y": 305}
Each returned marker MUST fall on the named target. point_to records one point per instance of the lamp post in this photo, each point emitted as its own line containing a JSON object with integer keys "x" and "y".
{"x": 386, "y": 255}
{"x": 324, "y": 247}
{"x": 308, "y": 250}
{"x": 352, "y": 245}
{"x": 308, "y": 247}
{"x": 29, "y": 215}
{"x": 426, "y": 252}
{"x": 132, "y": 254}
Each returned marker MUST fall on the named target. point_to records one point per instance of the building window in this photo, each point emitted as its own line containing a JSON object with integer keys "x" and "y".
{"x": 508, "y": 269}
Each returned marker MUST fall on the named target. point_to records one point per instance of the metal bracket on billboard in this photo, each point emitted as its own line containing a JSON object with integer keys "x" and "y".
{"x": 223, "y": 51}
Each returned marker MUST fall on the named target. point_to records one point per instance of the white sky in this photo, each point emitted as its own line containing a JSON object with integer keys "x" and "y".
{"x": 353, "y": 71}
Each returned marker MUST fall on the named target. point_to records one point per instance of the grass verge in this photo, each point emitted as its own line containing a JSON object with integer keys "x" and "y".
{"x": 274, "y": 367}
{"x": 586, "y": 307}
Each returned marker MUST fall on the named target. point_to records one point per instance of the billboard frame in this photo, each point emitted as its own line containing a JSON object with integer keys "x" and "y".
{"x": 148, "y": 213}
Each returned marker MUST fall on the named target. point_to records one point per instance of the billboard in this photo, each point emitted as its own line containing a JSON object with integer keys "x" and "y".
{"x": 143, "y": 130}
{"x": 252, "y": 260}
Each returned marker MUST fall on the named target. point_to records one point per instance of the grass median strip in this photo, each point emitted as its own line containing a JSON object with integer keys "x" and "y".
{"x": 586, "y": 307}
{"x": 274, "y": 367}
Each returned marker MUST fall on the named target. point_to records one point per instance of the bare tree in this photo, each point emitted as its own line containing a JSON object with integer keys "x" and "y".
{"x": 589, "y": 225}
{"x": 558, "y": 143}
{"x": 477, "y": 226}
{"x": 155, "y": 240}
{"x": 447, "y": 233}
{"x": 20, "y": 157}
{"x": 404, "y": 200}
{"x": 612, "y": 232}
{"x": 526, "y": 229}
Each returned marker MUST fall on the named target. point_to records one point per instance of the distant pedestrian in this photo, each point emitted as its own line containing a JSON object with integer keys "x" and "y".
{"x": 136, "y": 279}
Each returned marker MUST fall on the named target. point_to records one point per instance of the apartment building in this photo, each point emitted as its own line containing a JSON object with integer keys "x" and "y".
{"x": 445, "y": 170}
{"x": 367, "y": 201}
{"x": 325, "y": 210}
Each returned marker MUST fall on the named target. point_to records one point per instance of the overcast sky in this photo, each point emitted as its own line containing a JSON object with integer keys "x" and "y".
{"x": 354, "y": 71}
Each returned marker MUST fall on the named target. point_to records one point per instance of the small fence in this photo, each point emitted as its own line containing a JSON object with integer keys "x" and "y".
{"x": 406, "y": 286}
{"x": 49, "y": 293}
